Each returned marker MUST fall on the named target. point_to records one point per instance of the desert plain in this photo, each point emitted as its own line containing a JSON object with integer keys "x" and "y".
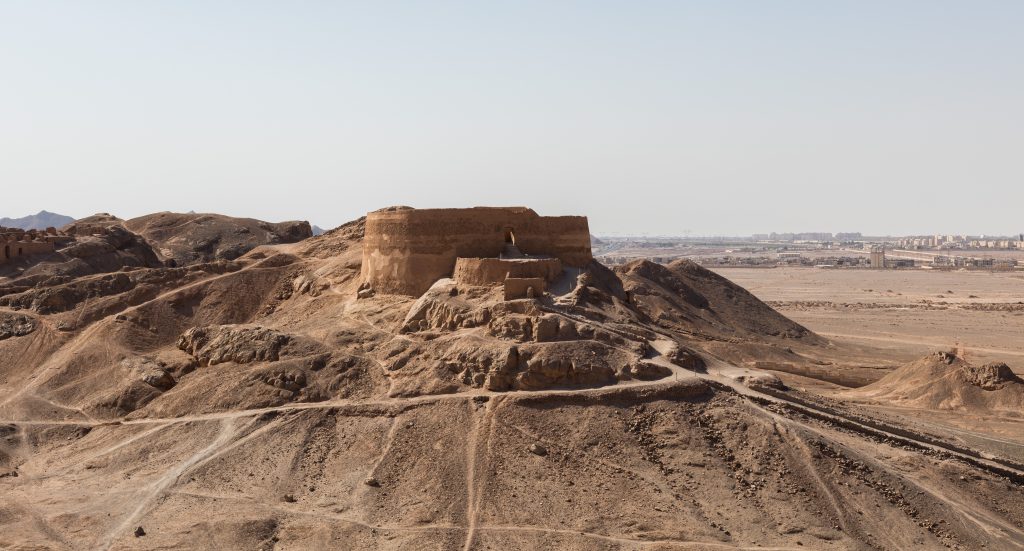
{"x": 905, "y": 312}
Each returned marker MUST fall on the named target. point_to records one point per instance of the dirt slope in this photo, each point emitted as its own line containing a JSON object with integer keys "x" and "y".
{"x": 685, "y": 296}
{"x": 257, "y": 403}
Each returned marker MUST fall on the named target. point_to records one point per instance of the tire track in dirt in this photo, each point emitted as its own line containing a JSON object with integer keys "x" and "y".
{"x": 158, "y": 487}
{"x": 474, "y": 495}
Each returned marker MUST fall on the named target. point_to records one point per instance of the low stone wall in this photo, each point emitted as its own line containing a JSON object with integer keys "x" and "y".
{"x": 519, "y": 287}
{"x": 484, "y": 271}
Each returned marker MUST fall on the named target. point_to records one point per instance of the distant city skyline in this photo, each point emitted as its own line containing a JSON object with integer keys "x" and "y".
{"x": 717, "y": 118}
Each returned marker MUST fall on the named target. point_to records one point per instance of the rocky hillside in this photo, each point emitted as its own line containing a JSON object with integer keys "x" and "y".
{"x": 262, "y": 402}
{"x": 94, "y": 247}
{"x": 189, "y": 238}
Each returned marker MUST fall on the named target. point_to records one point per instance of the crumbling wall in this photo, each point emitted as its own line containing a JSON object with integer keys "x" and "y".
{"x": 483, "y": 271}
{"x": 406, "y": 250}
{"x": 18, "y": 243}
{"x": 524, "y": 287}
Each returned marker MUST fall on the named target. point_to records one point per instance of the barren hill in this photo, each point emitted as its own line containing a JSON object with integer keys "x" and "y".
{"x": 945, "y": 381}
{"x": 189, "y": 238}
{"x": 272, "y": 400}
{"x": 687, "y": 297}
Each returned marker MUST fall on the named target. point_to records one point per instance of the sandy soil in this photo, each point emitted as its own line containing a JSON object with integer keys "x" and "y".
{"x": 907, "y": 312}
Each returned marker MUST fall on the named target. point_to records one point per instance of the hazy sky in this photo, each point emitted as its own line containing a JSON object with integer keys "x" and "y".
{"x": 715, "y": 117}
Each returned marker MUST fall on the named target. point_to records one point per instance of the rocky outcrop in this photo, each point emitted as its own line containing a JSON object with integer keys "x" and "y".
{"x": 150, "y": 371}
{"x": 550, "y": 365}
{"x": 441, "y": 307}
{"x": 15, "y": 325}
{"x": 60, "y": 293}
{"x": 555, "y": 328}
{"x": 247, "y": 343}
{"x": 992, "y": 376}
{"x": 61, "y": 298}
{"x": 214, "y": 344}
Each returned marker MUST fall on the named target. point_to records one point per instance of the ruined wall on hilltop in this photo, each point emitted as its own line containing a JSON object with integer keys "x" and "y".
{"x": 406, "y": 250}
{"x": 524, "y": 287}
{"x": 483, "y": 271}
{"x": 14, "y": 245}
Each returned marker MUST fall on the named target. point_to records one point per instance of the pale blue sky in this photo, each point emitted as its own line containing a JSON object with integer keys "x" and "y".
{"x": 717, "y": 117}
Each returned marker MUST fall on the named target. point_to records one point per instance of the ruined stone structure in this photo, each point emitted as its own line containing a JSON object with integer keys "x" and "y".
{"x": 16, "y": 243}
{"x": 406, "y": 250}
{"x": 524, "y": 287}
{"x": 484, "y": 271}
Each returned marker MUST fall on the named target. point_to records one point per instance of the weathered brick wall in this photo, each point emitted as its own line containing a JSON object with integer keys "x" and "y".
{"x": 407, "y": 250}
{"x": 11, "y": 248}
{"x": 520, "y": 287}
{"x": 482, "y": 271}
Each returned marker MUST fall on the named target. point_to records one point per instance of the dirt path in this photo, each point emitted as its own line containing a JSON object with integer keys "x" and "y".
{"x": 471, "y": 458}
{"x": 158, "y": 487}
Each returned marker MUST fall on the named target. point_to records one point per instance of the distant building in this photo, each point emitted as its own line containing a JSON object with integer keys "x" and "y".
{"x": 878, "y": 257}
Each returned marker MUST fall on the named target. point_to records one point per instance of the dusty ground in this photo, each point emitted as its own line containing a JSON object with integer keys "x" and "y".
{"x": 258, "y": 404}
{"x": 907, "y": 312}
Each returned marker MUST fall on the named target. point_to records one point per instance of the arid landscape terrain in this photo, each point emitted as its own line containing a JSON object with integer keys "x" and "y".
{"x": 206, "y": 382}
{"x": 907, "y": 312}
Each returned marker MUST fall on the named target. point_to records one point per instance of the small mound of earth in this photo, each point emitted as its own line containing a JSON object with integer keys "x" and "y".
{"x": 945, "y": 381}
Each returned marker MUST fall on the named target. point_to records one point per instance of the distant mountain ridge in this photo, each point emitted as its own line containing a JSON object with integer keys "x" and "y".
{"x": 39, "y": 221}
